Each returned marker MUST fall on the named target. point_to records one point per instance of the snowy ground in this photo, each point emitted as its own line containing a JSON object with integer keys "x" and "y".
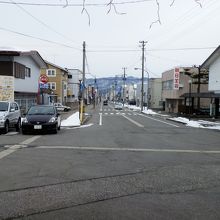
{"x": 73, "y": 120}
{"x": 186, "y": 121}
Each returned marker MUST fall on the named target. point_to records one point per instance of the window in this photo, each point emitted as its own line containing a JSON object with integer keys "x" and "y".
{"x": 52, "y": 85}
{"x": 70, "y": 76}
{"x": 167, "y": 85}
{"x": 19, "y": 71}
{"x": 27, "y": 72}
{"x": 51, "y": 72}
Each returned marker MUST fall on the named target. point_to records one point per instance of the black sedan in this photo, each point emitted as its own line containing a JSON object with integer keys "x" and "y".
{"x": 41, "y": 118}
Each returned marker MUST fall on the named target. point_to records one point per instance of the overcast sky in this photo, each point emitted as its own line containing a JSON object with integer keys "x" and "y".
{"x": 112, "y": 39}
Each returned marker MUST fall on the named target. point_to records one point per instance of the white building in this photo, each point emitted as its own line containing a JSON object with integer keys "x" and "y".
{"x": 212, "y": 64}
{"x": 74, "y": 77}
{"x": 24, "y": 69}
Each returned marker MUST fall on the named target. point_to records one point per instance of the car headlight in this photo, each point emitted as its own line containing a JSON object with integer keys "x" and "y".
{"x": 25, "y": 120}
{"x": 2, "y": 118}
{"x": 53, "y": 119}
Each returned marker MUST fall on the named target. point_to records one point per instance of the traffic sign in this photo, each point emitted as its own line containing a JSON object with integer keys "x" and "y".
{"x": 43, "y": 79}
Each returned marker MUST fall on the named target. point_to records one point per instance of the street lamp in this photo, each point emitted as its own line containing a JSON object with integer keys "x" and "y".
{"x": 142, "y": 92}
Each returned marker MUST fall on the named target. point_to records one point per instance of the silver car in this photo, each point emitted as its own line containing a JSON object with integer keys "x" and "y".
{"x": 10, "y": 116}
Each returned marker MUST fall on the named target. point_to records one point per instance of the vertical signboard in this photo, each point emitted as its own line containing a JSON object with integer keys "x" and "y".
{"x": 176, "y": 79}
{"x": 6, "y": 88}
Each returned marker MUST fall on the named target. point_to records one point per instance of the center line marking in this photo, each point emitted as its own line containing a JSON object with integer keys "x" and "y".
{"x": 134, "y": 122}
{"x": 100, "y": 119}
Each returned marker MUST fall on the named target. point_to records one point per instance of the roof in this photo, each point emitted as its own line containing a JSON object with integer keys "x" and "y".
{"x": 56, "y": 66}
{"x": 36, "y": 57}
{"x": 212, "y": 58}
{"x": 33, "y": 54}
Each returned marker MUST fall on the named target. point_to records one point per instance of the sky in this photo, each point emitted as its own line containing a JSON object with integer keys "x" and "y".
{"x": 186, "y": 34}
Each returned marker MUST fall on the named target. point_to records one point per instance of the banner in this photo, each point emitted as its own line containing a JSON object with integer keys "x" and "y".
{"x": 176, "y": 79}
{"x": 6, "y": 88}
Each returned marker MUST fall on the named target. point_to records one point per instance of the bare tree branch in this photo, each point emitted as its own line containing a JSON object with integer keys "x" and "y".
{"x": 110, "y": 5}
{"x": 199, "y": 3}
{"x": 172, "y": 3}
{"x": 85, "y": 10}
{"x": 158, "y": 15}
{"x": 66, "y": 4}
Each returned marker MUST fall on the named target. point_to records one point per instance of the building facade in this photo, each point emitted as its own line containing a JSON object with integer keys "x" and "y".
{"x": 179, "y": 91}
{"x": 24, "y": 69}
{"x": 57, "y": 82}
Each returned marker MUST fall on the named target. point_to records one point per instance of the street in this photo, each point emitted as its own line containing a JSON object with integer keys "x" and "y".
{"x": 123, "y": 165}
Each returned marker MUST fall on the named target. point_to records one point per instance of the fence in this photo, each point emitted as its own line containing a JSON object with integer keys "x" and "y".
{"x": 25, "y": 104}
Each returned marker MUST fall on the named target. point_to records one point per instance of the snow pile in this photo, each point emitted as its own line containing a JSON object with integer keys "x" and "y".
{"x": 72, "y": 120}
{"x": 134, "y": 107}
{"x": 149, "y": 112}
{"x": 197, "y": 124}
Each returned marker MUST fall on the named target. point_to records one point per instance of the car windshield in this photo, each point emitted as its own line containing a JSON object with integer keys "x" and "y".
{"x": 3, "y": 106}
{"x": 41, "y": 110}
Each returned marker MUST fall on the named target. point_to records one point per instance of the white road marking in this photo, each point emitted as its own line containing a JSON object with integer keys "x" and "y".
{"x": 159, "y": 120}
{"x": 29, "y": 140}
{"x": 6, "y": 152}
{"x": 132, "y": 149}
{"x": 100, "y": 119}
{"x": 15, "y": 147}
{"x": 134, "y": 122}
{"x": 111, "y": 113}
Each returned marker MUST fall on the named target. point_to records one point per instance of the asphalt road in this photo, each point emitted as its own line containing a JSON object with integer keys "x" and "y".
{"x": 122, "y": 165}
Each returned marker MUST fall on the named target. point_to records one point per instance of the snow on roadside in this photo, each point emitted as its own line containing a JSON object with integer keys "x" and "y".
{"x": 149, "y": 112}
{"x": 72, "y": 120}
{"x": 197, "y": 124}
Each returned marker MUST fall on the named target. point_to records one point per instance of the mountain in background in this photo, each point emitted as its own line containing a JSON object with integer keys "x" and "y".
{"x": 106, "y": 83}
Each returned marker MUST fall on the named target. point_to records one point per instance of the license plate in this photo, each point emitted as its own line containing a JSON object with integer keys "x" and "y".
{"x": 37, "y": 126}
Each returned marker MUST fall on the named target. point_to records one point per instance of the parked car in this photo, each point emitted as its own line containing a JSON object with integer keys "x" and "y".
{"x": 41, "y": 118}
{"x": 61, "y": 107}
{"x": 10, "y": 116}
{"x": 118, "y": 106}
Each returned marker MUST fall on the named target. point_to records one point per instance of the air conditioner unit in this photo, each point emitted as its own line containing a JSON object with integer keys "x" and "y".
{"x": 181, "y": 85}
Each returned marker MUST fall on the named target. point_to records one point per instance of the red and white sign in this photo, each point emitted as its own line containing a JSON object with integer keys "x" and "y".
{"x": 43, "y": 79}
{"x": 176, "y": 79}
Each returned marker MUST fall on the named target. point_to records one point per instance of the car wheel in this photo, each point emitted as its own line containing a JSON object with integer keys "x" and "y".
{"x": 65, "y": 109}
{"x": 24, "y": 132}
{"x": 18, "y": 125}
{"x": 6, "y": 128}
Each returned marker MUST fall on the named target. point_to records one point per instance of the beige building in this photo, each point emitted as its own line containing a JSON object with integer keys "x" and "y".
{"x": 57, "y": 81}
{"x": 178, "y": 88}
{"x": 155, "y": 93}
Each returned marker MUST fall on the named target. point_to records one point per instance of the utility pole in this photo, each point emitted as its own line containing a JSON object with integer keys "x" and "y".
{"x": 143, "y": 43}
{"x": 83, "y": 82}
{"x": 124, "y": 68}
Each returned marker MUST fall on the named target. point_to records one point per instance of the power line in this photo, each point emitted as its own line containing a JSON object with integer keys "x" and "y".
{"x": 39, "y": 21}
{"x": 75, "y": 5}
{"x": 165, "y": 49}
{"x": 38, "y": 38}
{"x": 104, "y": 51}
